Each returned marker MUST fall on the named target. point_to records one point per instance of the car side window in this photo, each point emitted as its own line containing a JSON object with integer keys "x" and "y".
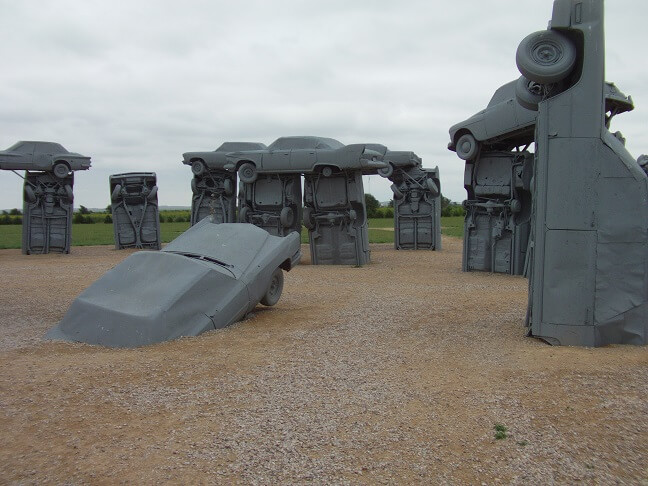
{"x": 48, "y": 148}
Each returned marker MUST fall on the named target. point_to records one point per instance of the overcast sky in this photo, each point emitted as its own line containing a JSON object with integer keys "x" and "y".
{"x": 134, "y": 85}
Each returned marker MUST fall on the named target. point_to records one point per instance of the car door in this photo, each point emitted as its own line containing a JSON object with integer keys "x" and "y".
{"x": 276, "y": 161}
{"x": 303, "y": 159}
{"x": 43, "y": 156}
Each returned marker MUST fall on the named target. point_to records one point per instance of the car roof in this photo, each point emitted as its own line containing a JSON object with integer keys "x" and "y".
{"x": 55, "y": 147}
{"x": 305, "y": 142}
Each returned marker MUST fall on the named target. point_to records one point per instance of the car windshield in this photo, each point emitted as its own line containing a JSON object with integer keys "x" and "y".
{"x": 196, "y": 256}
{"x": 313, "y": 143}
{"x": 20, "y": 147}
{"x": 239, "y": 146}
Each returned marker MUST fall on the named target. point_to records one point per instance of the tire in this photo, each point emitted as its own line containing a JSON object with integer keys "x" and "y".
{"x": 467, "y": 147}
{"x": 273, "y": 294}
{"x": 546, "y": 57}
{"x": 30, "y": 196}
{"x": 327, "y": 171}
{"x": 353, "y": 215}
{"x": 528, "y": 93}
{"x": 194, "y": 186}
{"x": 228, "y": 187}
{"x": 386, "y": 171}
{"x": 153, "y": 194}
{"x": 287, "y": 217}
{"x": 243, "y": 214}
{"x": 309, "y": 221}
{"x": 61, "y": 170}
{"x": 116, "y": 192}
{"x": 198, "y": 167}
{"x": 248, "y": 173}
{"x": 69, "y": 193}
{"x": 516, "y": 206}
{"x": 432, "y": 187}
{"x": 397, "y": 192}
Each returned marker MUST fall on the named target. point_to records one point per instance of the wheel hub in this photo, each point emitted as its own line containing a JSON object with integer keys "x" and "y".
{"x": 546, "y": 53}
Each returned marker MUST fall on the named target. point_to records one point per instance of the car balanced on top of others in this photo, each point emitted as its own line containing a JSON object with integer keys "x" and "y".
{"x": 200, "y": 162}
{"x": 306, "y": 154}
{"x": 45, "y": 156}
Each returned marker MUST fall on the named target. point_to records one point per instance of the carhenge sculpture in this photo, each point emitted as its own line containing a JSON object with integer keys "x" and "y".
{"x": 498, "y": 174}
{"x": 135, "y": 214}
{"x": 214, "y": 188}
{"x": 588, "y": 279}
{"x": 47, "y": 193}
{"x": 417, "y": 201}
{"x": 334, "y": 207}
{"x": 497, "y": 179}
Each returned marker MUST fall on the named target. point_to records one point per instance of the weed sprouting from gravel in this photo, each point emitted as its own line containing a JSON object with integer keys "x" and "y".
{"x": 500, "y": 432}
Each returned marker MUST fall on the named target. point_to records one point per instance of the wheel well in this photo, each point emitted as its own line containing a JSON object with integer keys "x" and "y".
{"x": 321, "y": 166}
{"x": 460, "y": 133}
{"x": 241, "y": 162}
{"x": 197, "y": 159}
{"x": 61, "y": 161}
{"x": 286, "y": 265}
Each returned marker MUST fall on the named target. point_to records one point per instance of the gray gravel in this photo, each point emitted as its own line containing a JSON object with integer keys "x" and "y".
{"x": 396, "y": 372}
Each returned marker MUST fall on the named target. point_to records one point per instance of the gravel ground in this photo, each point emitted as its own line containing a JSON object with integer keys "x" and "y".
{"x": 396, "y": 372}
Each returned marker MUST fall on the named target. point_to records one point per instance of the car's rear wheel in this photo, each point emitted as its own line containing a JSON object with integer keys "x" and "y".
{"x": 327, "y": 171}
{"x": 116, "y": 192}
{"x": 386, "y": 171}
{"x": 286, "y": 217}
{"x": 467, "y": 147}
{"x": 30, "y": 196}
{"x": 546, "y": 56}
{"x": 61, "y": 170}
{"x": 68, "y": 192}
{"x": 528, "y": 93}
{"x": 248, "y": 173}
{"x": 397, "y": 192}
{"x": 243, "y": 214}
{"x": 153, "y": 194}
{"x": 198, "y": 167}
{"x": 432, "y": 187}
{"x": 309, "y": 221}
{"x": 275, "y": 288}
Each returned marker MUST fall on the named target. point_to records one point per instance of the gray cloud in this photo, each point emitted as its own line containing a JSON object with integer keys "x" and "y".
{"x": 136, "y": 85}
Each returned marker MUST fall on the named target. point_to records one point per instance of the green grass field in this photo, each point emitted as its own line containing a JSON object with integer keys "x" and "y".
{"x": 380, "y": 231}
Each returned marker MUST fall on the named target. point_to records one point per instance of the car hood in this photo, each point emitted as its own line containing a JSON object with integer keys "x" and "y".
{"x": 148, "y": 298}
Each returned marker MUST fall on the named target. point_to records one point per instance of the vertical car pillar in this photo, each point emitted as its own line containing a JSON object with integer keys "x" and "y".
{"x": 135, "y": 214}
{"x": 589, "y": 277}
{"x": 498, "y": 212}
{"x": 417, "y": 208}
{"x": 336, "y": 217}
{"x": 272, "y": 202}
{"x": 213, "y": 194}
{"x": 47, "y": 213}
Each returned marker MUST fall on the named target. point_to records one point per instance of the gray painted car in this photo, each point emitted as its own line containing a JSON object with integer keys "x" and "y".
{"x": 304, "y": 155}
{"x": 209, "y": 277}
{"x": 399, "y": 159}
{"x": 506, "y": 124}
{"x": 200, "y": 161}
{"x": 45, "y": 156}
